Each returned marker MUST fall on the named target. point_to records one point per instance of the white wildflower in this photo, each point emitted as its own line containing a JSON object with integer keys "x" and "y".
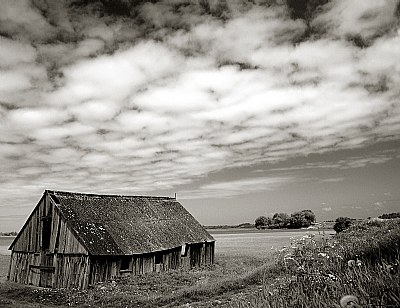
{"x": 349, "y": 301}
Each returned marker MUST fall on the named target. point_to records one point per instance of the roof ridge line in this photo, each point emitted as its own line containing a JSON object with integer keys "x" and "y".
{"x": 106, "y": 195}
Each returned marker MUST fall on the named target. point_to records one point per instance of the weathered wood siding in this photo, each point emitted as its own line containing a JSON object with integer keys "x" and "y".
{"x": 62, "y": 262}
{"x": 21, "y": 270}
{"x": 71, "y": 271}
{"x": 103, "y": 268}
{"x": 198, "y": 254}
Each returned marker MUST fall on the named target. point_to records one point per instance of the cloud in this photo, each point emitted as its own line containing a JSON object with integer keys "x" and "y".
{"x": 333, "y": 180}
{"x": 351, "y": 162}
{"x": 230, "y": 189}
{"x": 367, "y": 19}
{"x": 21, "y": 19}
{"x": 326, "y": 209}
{"x": 146, "y": 96}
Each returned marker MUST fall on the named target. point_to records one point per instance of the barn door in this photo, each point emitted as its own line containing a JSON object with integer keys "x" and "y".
{"x": 46, "y": 270}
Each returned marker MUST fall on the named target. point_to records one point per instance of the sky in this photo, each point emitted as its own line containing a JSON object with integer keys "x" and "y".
{"x": 242, "y": 108}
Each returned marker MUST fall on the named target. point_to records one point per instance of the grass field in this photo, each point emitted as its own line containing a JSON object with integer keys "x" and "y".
{"x": 307, "y": 273}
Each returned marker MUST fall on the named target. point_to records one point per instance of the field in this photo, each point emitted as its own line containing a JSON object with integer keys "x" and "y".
{"x": 309, "y": 272}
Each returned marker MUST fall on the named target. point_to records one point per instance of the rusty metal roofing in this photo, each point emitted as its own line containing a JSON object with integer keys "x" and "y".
{"x": 127, "y": 225}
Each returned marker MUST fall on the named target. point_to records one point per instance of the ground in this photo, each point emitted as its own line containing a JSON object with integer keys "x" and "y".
{"x": 142, "y": 291}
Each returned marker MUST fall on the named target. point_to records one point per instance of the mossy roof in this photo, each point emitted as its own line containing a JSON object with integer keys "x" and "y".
{"x": 128, "y": 225}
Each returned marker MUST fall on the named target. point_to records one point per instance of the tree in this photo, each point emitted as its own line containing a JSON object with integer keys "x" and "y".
{"x": 390, "y": 216}
{"x": 299, "y": 220}
{"x": 280, "y": 220}
{"x": 309, "y": 215}
{"x": 262, "y": 222}
{"x": 341, "y": 224}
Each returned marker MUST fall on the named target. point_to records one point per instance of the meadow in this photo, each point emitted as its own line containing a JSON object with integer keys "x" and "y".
{"x": 312, "y": 270}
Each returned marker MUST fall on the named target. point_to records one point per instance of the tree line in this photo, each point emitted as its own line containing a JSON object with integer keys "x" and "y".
{"x": 390, "y": 216}
{"x": 296, "y": 220}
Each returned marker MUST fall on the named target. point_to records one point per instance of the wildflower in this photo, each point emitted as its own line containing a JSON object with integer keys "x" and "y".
{"x": 301, "y": 268}
{"x": 324, "y": 255}
{"x": 333, "y": 277}
{"x": 392, "y": 269}
{"x": 351, "y": 263}
{"x": 358, "y": 263}
{"x": 349, "y": 301}
{"x": 288, "y": 257}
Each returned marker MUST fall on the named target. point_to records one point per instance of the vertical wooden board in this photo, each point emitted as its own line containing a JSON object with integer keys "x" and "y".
{"x": 36, "y": 273}
{"x": 54, "y": 229}
{"x": 62, "y": 237}
{"x": 35, "y": 231}
{"x": 39, "y": 224}
{"x": 12, "y": 266}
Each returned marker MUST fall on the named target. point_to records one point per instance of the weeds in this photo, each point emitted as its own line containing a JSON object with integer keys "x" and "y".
{"x": 362, "y": 262}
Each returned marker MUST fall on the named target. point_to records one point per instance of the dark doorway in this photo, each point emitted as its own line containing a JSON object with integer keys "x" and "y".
{"x": 46, "y": 233}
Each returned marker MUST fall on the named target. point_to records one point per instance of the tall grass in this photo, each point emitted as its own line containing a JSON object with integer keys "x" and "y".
{"x": 363, "y": 261}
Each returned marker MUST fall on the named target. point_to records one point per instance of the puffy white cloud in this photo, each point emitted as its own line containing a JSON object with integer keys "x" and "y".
{"x": 365, "y": 18}
{"x": 15, "y": 53}
{"x": 117, "y": 76}
{"x": 23, "y": 20}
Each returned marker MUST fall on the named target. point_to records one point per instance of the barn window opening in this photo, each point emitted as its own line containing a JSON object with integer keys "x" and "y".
{"x": 159, "y": 258}
{"x": 125, "y": 262}
{"x": 46, "y": 233}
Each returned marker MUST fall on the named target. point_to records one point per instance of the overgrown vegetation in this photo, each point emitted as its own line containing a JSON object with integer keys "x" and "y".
{"x": 362, "y": 261}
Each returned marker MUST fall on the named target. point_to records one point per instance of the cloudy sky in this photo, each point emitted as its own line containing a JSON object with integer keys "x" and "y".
{"x": 243, "y": 108}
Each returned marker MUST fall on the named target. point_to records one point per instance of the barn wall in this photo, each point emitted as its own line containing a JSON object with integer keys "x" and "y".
{"x": 103, "y": 268}
{"x": 198, "y": 254}
{"x": 71, "y": 271}
{"x": 61, "y": 262}
{"x": 21, "y": 269}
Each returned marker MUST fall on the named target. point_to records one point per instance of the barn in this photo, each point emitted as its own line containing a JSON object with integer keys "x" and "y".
{"x": 73, "y": 240}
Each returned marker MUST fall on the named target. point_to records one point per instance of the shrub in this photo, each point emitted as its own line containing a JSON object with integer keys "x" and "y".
{"x": 341, "y": 224}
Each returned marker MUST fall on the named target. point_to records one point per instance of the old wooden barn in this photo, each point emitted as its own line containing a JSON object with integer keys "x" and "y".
{"x": 72, "y": 240}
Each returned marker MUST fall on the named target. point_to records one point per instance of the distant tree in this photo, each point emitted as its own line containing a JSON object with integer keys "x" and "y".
{"x": 280, "y": 220}
{"x": 309, "y": 215}
{"x": 245, "y": 225}
{"x": 341, "y": 224}
{"x": 299, "y": 220}
{"x": 262, "y": 222}
{"x": 390, "y": 216}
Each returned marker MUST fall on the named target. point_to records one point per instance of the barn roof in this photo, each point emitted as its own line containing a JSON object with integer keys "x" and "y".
{"x": 127, "y": 225}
